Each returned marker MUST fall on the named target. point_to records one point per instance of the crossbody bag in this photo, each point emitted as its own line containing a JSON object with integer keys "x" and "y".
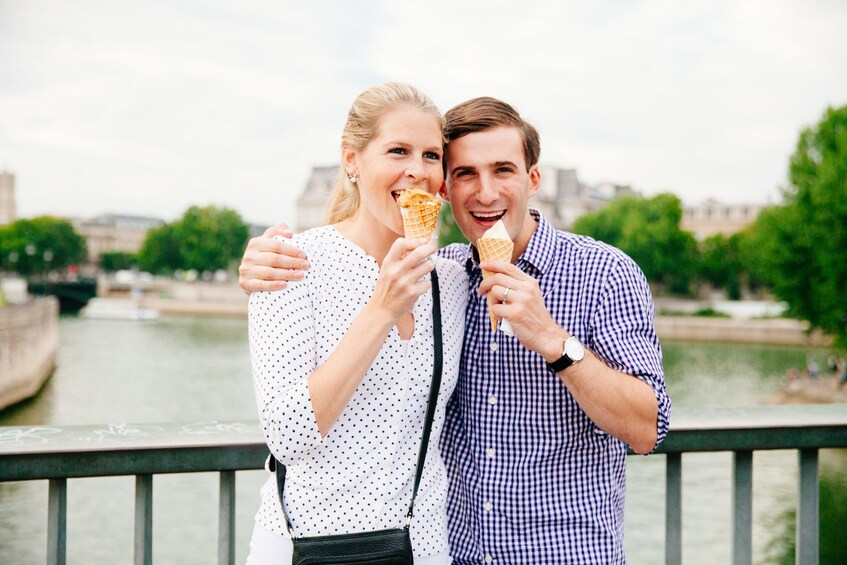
{"x": 391, "y": 546}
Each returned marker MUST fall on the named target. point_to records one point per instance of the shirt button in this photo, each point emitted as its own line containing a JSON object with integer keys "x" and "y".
{"x": 490, "y": 452}
{"x": 488, "y": 506}
{"x": 492, "y": 399}
{"x": 493, "y": 346}
{"x": 488, "y": 559}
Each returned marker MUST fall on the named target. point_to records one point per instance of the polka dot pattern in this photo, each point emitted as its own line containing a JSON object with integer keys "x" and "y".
{"x": 359, "y": 477}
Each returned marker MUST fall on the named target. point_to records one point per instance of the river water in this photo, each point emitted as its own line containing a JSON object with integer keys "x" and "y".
{"x": 198, "y": 369}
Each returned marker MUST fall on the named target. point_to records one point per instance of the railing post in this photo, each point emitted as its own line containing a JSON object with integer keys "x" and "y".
{"x": 143, "y": 519}
{"x": 226, "y": 519}
{"x": 742, "y": 497}
{"x": 57, "y": 515}
{"x": 807, "y": 509}
{"x": 673, "y": 508}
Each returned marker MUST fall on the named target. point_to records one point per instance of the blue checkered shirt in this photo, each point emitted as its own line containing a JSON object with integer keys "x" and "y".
{"x": 532, "y": 479}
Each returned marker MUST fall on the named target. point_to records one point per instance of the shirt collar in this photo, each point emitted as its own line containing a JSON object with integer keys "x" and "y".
{"x": 538, "y": 253}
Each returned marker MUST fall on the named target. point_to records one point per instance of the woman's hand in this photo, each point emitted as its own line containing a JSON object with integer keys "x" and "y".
{"x": 400, "y": 282}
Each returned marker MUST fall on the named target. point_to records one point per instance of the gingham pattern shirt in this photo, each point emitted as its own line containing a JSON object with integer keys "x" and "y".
{"x": 532, "y": 479}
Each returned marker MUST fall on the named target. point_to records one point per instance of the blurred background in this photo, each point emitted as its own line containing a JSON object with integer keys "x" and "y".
{"x": 143, "y": 143}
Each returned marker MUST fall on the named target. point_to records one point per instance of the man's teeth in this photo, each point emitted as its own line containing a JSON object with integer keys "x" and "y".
{"x": 486, "y": 216}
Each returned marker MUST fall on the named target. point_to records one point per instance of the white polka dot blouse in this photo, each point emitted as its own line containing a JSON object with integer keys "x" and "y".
{"x": 359, "y": 476}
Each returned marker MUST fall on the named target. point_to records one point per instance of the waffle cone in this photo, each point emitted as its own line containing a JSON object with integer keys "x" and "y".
{"x": 420, "y": 218}
{"x": 491, "y": 249}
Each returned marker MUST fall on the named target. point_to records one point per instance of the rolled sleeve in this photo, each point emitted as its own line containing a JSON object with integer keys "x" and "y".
{"x": 625, "y": 337}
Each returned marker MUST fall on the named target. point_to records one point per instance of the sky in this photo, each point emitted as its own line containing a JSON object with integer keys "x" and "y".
{"x": 150, "y": 107}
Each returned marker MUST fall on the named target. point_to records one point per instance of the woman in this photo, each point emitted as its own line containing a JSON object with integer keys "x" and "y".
{"x": 342, "y": 360}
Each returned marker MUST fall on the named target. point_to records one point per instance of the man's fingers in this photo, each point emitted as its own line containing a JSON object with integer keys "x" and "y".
{"x": 497, "y": 280}
{"x": 279, "y": 229}
{"x": 501, "y": 267}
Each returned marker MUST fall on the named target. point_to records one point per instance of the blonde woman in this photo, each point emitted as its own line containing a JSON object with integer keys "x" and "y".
{"x": 343, "y": 359}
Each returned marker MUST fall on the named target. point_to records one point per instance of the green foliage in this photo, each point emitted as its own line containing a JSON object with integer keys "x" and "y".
{"x": 805, "y": 240}
{"x": 720, "y": 263}
{"x": 40, "y": 245}
{"x": 117, "y": 260}
{"x": 648, "y": 231}
{"x": 160, "y": 253}
{"x": 448, "y": 231}
{"x": 832, "y": 515}
{"x": 204, "y": 239}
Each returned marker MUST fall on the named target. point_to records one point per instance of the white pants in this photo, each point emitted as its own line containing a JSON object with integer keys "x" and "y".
{"x": 267, "y": 548}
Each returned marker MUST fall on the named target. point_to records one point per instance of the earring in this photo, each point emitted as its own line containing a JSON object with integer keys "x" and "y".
{"x": 352, "y": 177}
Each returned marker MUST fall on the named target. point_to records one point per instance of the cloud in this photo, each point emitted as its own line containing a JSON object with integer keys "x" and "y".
{"x": 149, "y": 108}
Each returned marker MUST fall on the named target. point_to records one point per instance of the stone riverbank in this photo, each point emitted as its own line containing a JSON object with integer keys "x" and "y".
{"x": 29, "y": 342}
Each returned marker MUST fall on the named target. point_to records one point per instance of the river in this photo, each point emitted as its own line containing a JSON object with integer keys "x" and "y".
{"x": 198, "y": 369}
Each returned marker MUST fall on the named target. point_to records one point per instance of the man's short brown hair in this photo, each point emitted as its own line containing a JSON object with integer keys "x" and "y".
{"x": 480, "y": 114}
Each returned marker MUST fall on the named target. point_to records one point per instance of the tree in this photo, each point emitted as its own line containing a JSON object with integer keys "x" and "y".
{"x": 448, "y": 231}
{"x": 160, "y": 253}
{"x": 648, "y": 231}
{"x": 40, "y": 245}
{"x": 204, "y": 239}
{"x": 720, "y": 263}
{"x": 112, "y": 261}
{"x": 210, "y": 237}
{"x": 807, "y": 265}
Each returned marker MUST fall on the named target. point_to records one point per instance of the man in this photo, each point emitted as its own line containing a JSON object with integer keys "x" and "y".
{"x": 536, "y": 432}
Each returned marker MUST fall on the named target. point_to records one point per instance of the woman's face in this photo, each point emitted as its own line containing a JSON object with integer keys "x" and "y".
{"x": 406, "y": 153}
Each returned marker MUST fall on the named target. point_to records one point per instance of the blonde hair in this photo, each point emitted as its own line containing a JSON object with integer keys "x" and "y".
{"x": 362, "y": 126}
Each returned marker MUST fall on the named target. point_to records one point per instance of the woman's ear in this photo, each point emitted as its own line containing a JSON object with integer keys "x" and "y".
{"x": 348, "y": 161}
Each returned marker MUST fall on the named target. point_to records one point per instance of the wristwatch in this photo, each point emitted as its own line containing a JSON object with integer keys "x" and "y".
{"x": 573, "y": 353}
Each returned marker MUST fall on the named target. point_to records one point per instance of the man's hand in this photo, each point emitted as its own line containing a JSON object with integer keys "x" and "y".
{"x": 269, "y": 263}
{"x": 524, "y": 307}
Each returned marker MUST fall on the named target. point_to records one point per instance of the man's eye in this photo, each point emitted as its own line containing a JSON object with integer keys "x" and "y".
{"x": 504, "y": 170}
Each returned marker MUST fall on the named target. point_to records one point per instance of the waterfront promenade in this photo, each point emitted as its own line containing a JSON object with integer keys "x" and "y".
{"x": 227, "y": 299}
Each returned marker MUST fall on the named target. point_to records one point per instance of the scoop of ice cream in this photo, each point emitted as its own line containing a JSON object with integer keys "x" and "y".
{"x": 413, "y": 196}
{"x": 497, "y": 231}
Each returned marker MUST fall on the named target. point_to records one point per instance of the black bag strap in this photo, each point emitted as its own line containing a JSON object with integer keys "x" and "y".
{"x": 279, "y": 468}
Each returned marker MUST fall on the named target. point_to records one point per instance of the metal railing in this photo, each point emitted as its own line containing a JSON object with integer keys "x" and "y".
{"x": 53, "y": 453}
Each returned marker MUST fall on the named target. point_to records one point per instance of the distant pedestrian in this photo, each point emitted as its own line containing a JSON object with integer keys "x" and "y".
{"x": 813, "y": 369}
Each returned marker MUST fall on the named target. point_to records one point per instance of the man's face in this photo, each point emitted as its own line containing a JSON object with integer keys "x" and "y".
{"x": 487, "y": 181}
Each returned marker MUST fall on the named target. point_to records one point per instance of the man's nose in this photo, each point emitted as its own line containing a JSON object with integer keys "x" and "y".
{"x": 488, "y": 191}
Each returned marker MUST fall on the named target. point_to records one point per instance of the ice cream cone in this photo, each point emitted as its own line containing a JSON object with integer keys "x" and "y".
{"x": 494, "y": 249}
{"x": 420, "y": 213}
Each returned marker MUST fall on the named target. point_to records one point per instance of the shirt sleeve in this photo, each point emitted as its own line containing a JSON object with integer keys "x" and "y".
{"x": 282, "y": 350}
{"x": 623, "y": 333}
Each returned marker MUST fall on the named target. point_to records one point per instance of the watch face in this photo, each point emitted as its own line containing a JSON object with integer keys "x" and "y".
{"x": 574, "y": 349}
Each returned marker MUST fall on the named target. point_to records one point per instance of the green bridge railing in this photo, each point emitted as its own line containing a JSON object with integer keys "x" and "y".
{"x": 61, "y": 453}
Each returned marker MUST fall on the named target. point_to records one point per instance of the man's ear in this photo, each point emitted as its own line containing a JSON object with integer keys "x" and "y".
{"x": 348, "y": 161}
{"x": 443, "y": 191}
{"x": 534, "y": 179}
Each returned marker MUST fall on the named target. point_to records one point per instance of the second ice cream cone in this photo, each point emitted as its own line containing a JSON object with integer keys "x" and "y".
{"x": 494, "y": 249}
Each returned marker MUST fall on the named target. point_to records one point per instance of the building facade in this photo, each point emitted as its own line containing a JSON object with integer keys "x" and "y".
{"x": 713, "y": 217}
{"x": 8, "y": 212}
{"x": 114, "y": 232}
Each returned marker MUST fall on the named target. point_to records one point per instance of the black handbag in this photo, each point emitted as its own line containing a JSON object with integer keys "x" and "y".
{"x": 391, "y": 546}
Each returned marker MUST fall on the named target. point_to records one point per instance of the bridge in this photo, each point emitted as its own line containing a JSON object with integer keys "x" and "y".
{"x": 58, "y": 454}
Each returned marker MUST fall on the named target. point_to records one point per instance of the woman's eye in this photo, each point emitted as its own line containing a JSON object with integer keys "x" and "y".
{"x": 432, "y": 155}
{"x": 397, "y": 150}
